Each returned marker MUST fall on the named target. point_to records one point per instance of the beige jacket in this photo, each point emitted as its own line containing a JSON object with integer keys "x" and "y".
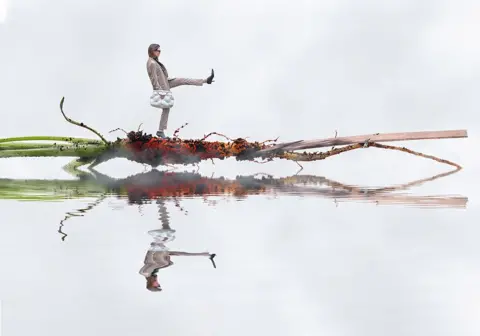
{"x": 155, "y": 260}
{"x": 159, "y": 77}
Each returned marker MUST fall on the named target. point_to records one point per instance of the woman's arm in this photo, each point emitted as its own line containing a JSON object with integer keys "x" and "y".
{"x": 152, "y": 74}
{"x": 185, "y": 81}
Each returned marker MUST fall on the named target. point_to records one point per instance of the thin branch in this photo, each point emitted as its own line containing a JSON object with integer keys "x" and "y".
{"x": 80, "y": 123}
{"x": 177, "y": 205}
{"x": 175, "y": 134}
{"x": 273, "y": 140}
{"x": 118, "y": 129}
{"x": 78, "y": 213}
{"x": 215, "y": 133}
{"x": 406, "y": 150}
{"x": 323, "y": 155}
{"x": 301, "y": 167}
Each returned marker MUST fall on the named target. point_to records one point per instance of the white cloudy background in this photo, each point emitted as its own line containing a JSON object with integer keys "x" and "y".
{"x": 298, "y": 69}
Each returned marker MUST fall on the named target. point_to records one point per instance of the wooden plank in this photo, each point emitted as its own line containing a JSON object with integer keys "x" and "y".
{"x": 378, "y": 137}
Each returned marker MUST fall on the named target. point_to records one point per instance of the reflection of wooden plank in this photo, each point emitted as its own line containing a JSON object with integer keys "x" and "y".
{"x": 378, "y": 137}
{"x": 381, "y": 198}
{"x": 416, "y": 201}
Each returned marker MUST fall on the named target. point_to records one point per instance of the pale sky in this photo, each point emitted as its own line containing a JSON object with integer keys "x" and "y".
{"x": 3, "y": 10}
{"x": 298, "y": 70}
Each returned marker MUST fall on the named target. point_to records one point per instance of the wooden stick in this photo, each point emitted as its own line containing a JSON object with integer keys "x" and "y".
{"x": 378, "y": 137}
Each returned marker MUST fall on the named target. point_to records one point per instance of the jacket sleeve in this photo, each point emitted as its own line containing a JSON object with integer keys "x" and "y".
{"x": 185, "y": 81}
{"x": 152, "y": 74}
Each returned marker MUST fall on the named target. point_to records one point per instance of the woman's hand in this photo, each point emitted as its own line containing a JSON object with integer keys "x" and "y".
{"x": 210, "y": 79}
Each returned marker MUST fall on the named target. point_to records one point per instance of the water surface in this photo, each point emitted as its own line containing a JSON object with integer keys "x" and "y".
{"x": 298, "y": 251}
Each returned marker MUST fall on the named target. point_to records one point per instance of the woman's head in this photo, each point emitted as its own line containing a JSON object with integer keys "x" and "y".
{"x": 154, "y": 50}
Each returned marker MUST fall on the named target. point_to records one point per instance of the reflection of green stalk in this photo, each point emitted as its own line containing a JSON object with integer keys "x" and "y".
{"x": 49, "y": 190}
{"x": 85, "y": 185}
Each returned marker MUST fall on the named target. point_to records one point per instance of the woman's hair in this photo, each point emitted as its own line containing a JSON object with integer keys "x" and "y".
{"x": 153, "y": 47}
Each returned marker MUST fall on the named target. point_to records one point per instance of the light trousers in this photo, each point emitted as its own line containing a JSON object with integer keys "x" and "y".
{"x": 164, "y": 120}
{"x": 174, "y": 82}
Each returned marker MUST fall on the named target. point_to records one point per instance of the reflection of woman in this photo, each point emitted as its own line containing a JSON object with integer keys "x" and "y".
{"x": 158, "y": 255}
{"x": 159, "y": 78}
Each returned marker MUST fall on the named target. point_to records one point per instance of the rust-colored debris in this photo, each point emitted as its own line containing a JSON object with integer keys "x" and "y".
{"x": 145, "y": 148}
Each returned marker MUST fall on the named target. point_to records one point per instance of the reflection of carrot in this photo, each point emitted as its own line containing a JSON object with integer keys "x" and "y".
{"x": 156, "y": 184}
{"x": 144, "y": 187}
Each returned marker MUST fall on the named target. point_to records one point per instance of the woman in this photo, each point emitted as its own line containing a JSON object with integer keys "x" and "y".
{"x": 158, "y": 255}
{"x": 159, "y": 77}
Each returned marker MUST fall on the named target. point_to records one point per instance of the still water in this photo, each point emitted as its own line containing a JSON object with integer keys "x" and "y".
{"x": 301, "y": 254}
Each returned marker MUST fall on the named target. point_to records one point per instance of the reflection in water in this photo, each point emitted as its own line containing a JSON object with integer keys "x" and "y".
{"x": 147, "y": 187}
{"x": 162, "y": 187}
{"x": 158, "y": 255}
{"x": 79, "y": 213}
